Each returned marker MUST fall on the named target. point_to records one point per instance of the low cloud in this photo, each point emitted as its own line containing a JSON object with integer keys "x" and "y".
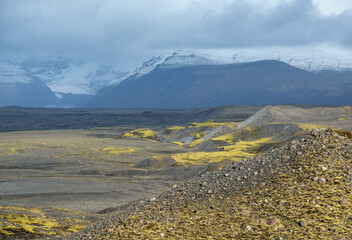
{"x": 124, "y": 32}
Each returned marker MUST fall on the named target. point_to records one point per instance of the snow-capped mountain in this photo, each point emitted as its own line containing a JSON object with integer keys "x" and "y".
{"x": 310, "y": 59}
{"x": 64, "y": 75}
{"x": 178, "y": 58}
{"x": 11, "y": 73}
{"x": 19, "y": 87}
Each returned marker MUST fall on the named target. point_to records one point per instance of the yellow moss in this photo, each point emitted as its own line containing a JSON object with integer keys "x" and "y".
{"x": 20, "y": 221}
{"x": 195, "y": 143}
{"x": 75, "y": 228}
{"x": 309, "y": 127}
{"x": 228, "y": 138}
{"x": 159, "y": 157}
{"x": 213, "y": 124}
{"x": 28, "y": 223}
{"x": 176, "y": 128}
{"x": 178, "y": 143}
{"x": 117, "y": 151}
{"x": 244, "y": 145}
{"x": 347, "y": 108}
{"x": 342, "y": 119}
{"x": 141, "y": 133}
{"x": 237, "y": 152}
{"x": 231, "y": 137}
{"x": 290, "y": 198}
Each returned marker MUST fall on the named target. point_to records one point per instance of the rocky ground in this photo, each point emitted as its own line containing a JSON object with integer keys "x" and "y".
{"x": 298, "y": 191}
{"x": 116, "y": 174}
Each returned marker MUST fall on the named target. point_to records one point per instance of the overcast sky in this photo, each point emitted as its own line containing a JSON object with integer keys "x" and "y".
{"x": 127, "y": 32}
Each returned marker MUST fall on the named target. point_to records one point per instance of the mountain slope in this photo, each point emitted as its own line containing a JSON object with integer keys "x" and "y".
{"x": 253, "y": 83}
{"x": 18, "y": 87}
{"x": 65, "y": 75}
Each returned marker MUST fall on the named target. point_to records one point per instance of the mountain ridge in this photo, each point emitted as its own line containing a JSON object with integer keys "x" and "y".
{"x": 253, "y": 83}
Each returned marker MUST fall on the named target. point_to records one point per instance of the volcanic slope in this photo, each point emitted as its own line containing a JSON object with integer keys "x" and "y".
{"x": 223, "y": 142}
{"x": 300, "y": 190}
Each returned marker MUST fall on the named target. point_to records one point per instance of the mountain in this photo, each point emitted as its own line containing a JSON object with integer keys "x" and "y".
{"x": 252, "y": 83}
{"x": 18, "y": 87}
{"x": 64, "y": 75}
{"x": 310, "y": 59}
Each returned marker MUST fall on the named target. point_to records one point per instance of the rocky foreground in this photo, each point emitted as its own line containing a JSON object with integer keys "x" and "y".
{"x": 298, "y": 191}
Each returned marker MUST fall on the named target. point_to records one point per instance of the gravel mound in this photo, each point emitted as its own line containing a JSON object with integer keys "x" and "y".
{"x": 300, "y": 190}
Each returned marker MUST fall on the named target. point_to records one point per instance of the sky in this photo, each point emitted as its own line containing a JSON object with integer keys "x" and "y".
{"x": 125, "y": 33}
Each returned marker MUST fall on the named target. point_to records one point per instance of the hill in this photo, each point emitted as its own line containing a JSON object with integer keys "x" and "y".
{"x": 300, "y": 190}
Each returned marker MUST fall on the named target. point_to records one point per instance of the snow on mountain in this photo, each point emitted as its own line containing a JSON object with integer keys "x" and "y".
{"x": 178, "y": 58}
{"x": 310, "y": 59}
{"x": 65, "y": 75}
{"x": 12, "y": 73}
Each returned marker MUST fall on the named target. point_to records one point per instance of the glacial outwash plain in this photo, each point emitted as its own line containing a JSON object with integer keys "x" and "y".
{"x": 231, "y": 172}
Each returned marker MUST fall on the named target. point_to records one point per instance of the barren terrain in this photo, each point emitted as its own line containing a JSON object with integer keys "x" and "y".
{"x": 47, "y": 175}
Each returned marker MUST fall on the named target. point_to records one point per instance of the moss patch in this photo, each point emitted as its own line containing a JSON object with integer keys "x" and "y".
{"x": 236, "y": 152}
{"x": 34, "y": 222}
{"x": 117, "y": 151}
{"x": 213, "y": 124}
{"x": 145, "y": 133}
{"x": 294, "y": 205}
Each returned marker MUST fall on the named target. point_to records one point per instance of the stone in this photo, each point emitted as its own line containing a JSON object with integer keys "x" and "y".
{"x": 322, "y": 180}
{"x": 344, "y": 202}
{"x": 303, "y": 223}
{"x": 273, "y": 221}
{"x": 323, "y": 168}
{"x": 245, "y": 213}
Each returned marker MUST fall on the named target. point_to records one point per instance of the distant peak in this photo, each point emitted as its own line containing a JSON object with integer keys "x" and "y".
{"x": 176, "y": 58}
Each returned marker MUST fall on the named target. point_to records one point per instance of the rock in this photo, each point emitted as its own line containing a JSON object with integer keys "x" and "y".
{"x": 293, "y": 147}
{"x": 152, "y": 199}
{"x": 245, "y": 213}
{"x": 322, "y": 180}
{"x": 303, "y": 223}
{"x": 323, "y": 168}
{"x": 273, "y": 221}
{"x": 315, "y": 178}
{"x": 344, "y": 202}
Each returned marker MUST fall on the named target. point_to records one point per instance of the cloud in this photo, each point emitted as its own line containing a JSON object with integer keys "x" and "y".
{"x": 127, "y": 31}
